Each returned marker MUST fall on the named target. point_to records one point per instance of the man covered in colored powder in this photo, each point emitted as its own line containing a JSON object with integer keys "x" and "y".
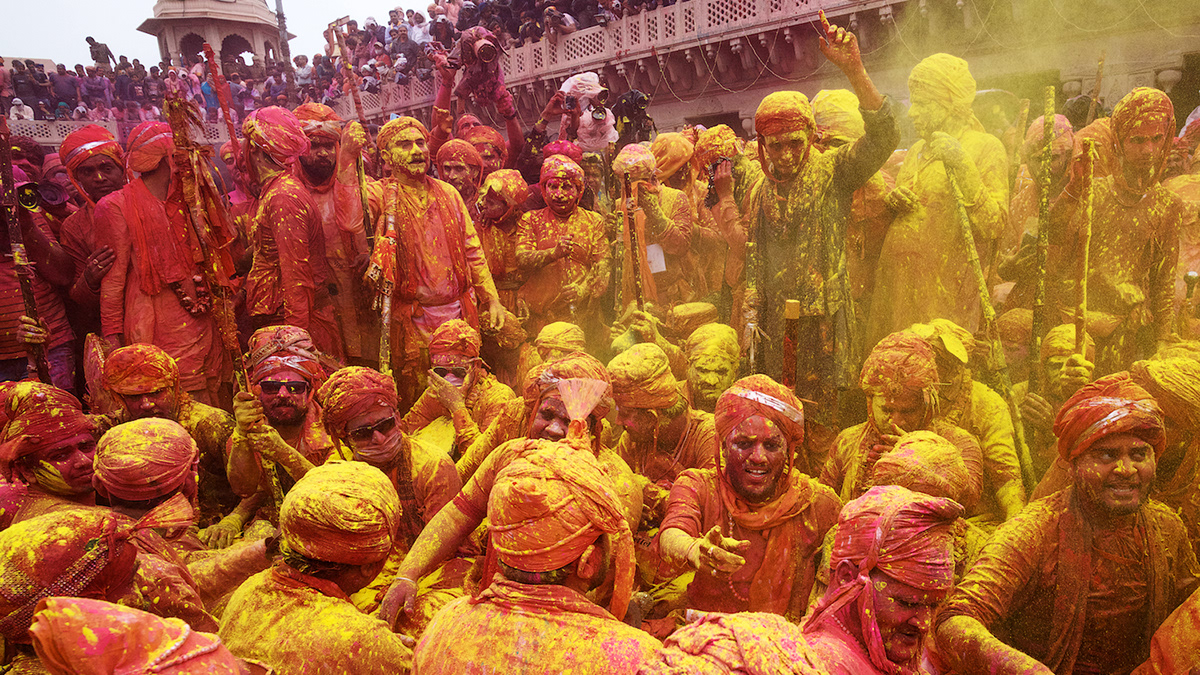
{"x": 288, "y": 281}
{"x": 1079, "y": 580}
{"x": 796, "y": 216}
{"x": 427, "y": 256}
{"x": 1134, "y": 245}
{"x": 900, "y": 380}
{"x": 1063, "y": 373}
{"x": 559, "y": 531}
{"x": 500, "y": 207}
{"x": 460, "y": 165}
{"x": 563, "y": 252}
{"x": 151, "y": 295}
{"x": 713, "y": 357}
{"x": 752, "y": 526}
{"x": 329, "y": 172}
{"x": 923, "y": 271}
{"x": 337, "y": 524}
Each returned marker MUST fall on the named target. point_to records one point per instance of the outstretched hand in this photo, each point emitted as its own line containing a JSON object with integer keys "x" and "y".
{"x": 839, "y": 46}
{"x": 718, "y": 552}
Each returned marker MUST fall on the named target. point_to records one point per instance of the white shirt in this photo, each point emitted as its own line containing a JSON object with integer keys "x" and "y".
{"x": 20, "y": 112}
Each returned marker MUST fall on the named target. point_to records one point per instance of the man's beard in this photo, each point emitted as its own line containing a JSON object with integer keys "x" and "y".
{"x": 318, "y": 172}
{"x": 289, "y": 415}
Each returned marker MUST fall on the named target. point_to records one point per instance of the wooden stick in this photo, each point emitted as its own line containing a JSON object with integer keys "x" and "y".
{"x": 1096, "y": 89}
{"x": 1039, "y": 328}
{"x": 1089, "y": 153}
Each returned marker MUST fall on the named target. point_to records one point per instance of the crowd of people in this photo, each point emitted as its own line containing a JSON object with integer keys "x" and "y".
{"x": 447, "y": 399}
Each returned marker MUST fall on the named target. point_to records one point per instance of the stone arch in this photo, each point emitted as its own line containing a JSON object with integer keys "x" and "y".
{"x": 269, "y": 54}
{"x": 234, "y": 49}
{"x": 190, "y": 46}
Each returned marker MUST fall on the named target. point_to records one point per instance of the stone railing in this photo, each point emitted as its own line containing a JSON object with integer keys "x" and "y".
{"x": 51, "y": 134}
{"x": 651, "y": 34}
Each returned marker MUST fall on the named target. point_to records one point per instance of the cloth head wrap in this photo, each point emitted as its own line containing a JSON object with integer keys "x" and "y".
{"x": 393, "y": 128}
{"x": 227, "y": 155}
{"x": 1144, "y": 107}
{"x": 583, "y": 85}
{"x": 455, "y": 337}
{"x": 903, "y": 534}
{"x": 923, "y": 461}
{"x": 950, "y": 339}
{"x": 277, "y": 132}
{"x": 353, "y": 391}
{"x": 1114, "y": 404}
{"x": 85, "y": 143}
{"x": 671, "y": 151}
{"x": 558, "y": 166}
{"x": 837, "y": 115}
{"x": 783, "y": 112}
{"x": 456, "y": 148}
{"x": 485, "y": 135}
{"x": 37, "y": 416}
{"x": 901, "y": 361}
{"x": 546, "y": 508}
{"x": 947, "y": 81}
{"x": 1060, "y": 341}
{"x": 560, "y": 336}
{"x": 1175, "y": 385}
{"x": 1101, "y": 131}
{"x": 544, "y": 378}
{"x": 685, "y": 318}
{"x": 140, "y": 369}
{"x": 1064, "y": 137}
{"x": 746, "y": 643}
{"x": 566, "y": 149}
{"x": 713, "y": 336}
{"x": 642, "y": 379}
{"x": 713, "y": 144}
{"x": 275, "y": 349}
{"x": 319, "y": 120}
{"x": 508, "y": 184}
{"x": 635, "y": 160}
{"x": 144, "y": 459}
{"x": 1015, "y": 326}
{"x": 77, "y": 636}
{"x": 148, "y": 144}
{"x": 74, "y": 552}
{"x": 341, "y": 512}
{"x": 760, "y": 395}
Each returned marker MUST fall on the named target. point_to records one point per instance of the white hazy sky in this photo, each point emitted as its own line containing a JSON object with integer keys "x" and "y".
{"x": 55, "y": 29}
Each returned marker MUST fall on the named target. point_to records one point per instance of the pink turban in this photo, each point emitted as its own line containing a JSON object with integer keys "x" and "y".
{"x": 277, "y": 132}
{"x": 900, "y": 361}
{"x": 277, "y": 349}
{"x": 783, "y": 112}
{"x": 485, "y": 135}
{"x": 353, "y": 391}
{"x": 1110, "y": 405}
{"x": 144, "y": 459}
{"x": 37, "y": 415}
{"x": 566, "y": 149}
{"x": 558, "y": 166}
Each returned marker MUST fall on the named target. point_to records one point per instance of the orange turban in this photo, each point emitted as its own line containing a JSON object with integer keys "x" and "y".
{"x": 546, "y": 508}
{"x": 148, "y": 144}
{"x": 341, "y": 512}
{"x": 1110, "y": 405}
{"x": 544, "y": 378}
{"x": 85, "y": 143}
{"x": 461, "y": 150}
{"x": 319, "y": 120}
{"x": 37, "y": 415}
{"x": 277, "y": 132}
{"x": 76, "y": 636}
{"x": 947, "y": 81}
{"x": 760, "y": 395}
{"x": 642, "y": 379}
{"x": 560, "y": 336}
{"x": 637, "y": 160}
{"x": 671, "y": 151}
{"x": 903, "y": 534}
{"x": 140, "y": 369}
{"x": 558, "y": 166}
{"x": 353, "y": 391}
{"x": 455, "y": 337}
{"x": 144, "y": 459}
{"x": 900, "y": 361}
{"x": 836, "y": 113}
{"x": 508, "y": 184}
{"x": 283, "y": 348}
{"x": 923, "y": 461}
{"x": 783, "y": 112}
{"x": 566, "y": 149}
{"x": 747, "y": 643}
{"x": 485, "y": 135}
{"x": 714, "y": 144}
{"x": 1175, "y": 385}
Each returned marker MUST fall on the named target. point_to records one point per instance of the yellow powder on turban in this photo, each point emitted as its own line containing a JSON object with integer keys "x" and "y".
{"x": 341, "y": 512}
{"x": 642, "y": 379}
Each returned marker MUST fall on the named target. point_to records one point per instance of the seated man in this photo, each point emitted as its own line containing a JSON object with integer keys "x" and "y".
{"x": 558, "y": 528}
{"x": 337, "y": 524}
{"x": 713, "y": 356}
{"x": 460, "y": 386}
{"x": 1081, "y": 579}
{"x": 46, "y": 449}
{"x": 899, "y": 378}
{"x": 753, "y": 526}
{"x": 280, "y": 422}
{"x": 145, "y": 380}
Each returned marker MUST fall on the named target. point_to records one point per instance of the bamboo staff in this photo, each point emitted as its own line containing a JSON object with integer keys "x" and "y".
{"x": 1096, "y": 89}
{"x": 1043, "y": 246}
{"x": 224, "y": 98}
{"x": 384, "y": 288}
{"x": 1089, "y": 150}
{"x": 634, "y": 246}
{"x": 352, "y": 79}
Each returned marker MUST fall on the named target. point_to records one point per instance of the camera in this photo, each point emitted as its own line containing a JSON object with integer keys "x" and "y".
{"x": 570, "y": 103}
{"x": 485, "y": 51}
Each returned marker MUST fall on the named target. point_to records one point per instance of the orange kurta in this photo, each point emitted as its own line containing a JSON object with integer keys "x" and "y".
{"x": 586, "y": 269}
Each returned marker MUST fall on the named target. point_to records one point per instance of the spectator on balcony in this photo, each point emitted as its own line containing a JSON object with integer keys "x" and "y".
{"x": 211, "y": 104}
{"x": 100, "y": 112}
{"x": 557, "y": 23}
{"x": 20, "y": 111}
{"x": 531, "y": 28}
{"x": 304, "y": 72}
{"x": 100, "y": 53}
{"x": 236, "y": 100}
{"x": 6, "y": 89}
{"x": 442, "y": 31}
{"x": 373, "y": 30}
{"x": 153, "y": 86}
{"x": 395, "y": 20}
{"x": 370, "y": 78}
{"x": 174, "y": 86}
{"x": 96, "y": 85}
{"x": 403, "y": 46}
{"x": 276, "y": 83}
{"x": 418, "y": 30}
{"x": 80, "y": 113}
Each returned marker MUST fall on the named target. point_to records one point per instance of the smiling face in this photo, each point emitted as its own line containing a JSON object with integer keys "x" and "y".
{"x": 562, "y": 195}
{"x": 904, "y": 615}
{"x": 408, "y": 153}
{"x": 756, "y": 454}
{"x": 1114, "y": 476}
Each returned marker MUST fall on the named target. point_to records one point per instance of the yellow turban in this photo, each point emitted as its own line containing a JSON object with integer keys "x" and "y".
{"x": 713, "y": 335}
{"x": 946, "y": 80}
{"x": 341, "y": 512}
{"x": 560, "y": 336}
{"x": 837, "y": 114}
{"x": 671, "y": 151}
{"x": 390, "y": 130}
{"x": 713, "y": 144}
{"x": 1060, "y": 341}
{"x": 641, "y": 378}
{"x": 923, "y": 461}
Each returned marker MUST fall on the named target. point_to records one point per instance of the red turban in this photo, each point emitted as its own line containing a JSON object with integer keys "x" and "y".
{"x": 37, "y": 415}
{"x": 341, "y": 512}
{"x": 923, "y": 461}
{"x": 783, "y": 112}
{"x": 148, "y": 144}
{"x": 277, "y": 132}
{"x": 144, "y": 459}
{"x": 901, "y": 361}
{"x": 283, "y": 348}
{"x": 485, "y": 135}
{"x": 353, "y": 391}
{"x": 760, "y": 395}
{"x": 642, "y": 379}
{"x": 1110, "y": 405}
{"x": 227, "y": 151}
{"x": 558, "y": 166}
{"x": 76, "y": 636}
{"x": 508, "y": 184}
{"x": 566, "y": 149}
{"x": 904, "y": 534}
{"x": 547, "y": 507}
{"x": 746, "y": 643}
{"x": 456, "y": 148}
{"x": 85, "y": 143}
{"x": 319, "y": 120}
{"x": 77, "y": 552}
{"x": 455, "y": 337}
{"x": 389, "y": 131}
{"x": 140, "y": 369}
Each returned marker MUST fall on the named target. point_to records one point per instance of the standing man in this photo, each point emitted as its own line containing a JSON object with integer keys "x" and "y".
{"x": 65, "y": 87}
{"x": 102, "y": 56}
{"x": 500, "y": 206}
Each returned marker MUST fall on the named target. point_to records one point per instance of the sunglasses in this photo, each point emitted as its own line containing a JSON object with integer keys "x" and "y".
{"x": 457, "y": 371}
{"x": 272, "y": 387}
{"x": 364, "y": 434}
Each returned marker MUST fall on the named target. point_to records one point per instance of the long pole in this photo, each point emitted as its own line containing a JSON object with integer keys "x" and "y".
{"x": 634, "y": 246}
{"x": 285, "y": 51}
{"x": 12, "y": 217}
{"x": 1096, "y": 89}
{"x": 1043, "y": 245}
{"x": 336, "y": 29}
{"x": 224, "y": 98}
{"x": 1089, "y": 148}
